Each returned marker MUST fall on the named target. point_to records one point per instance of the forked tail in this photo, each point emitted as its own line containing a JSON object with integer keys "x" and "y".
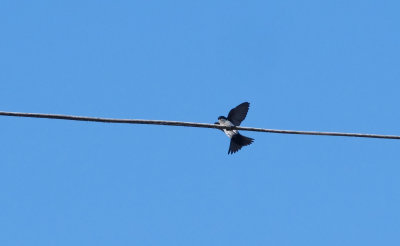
{"x": 237, "y": 142}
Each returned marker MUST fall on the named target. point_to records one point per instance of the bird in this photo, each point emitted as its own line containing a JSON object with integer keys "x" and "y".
{"x": 235, "y": 117}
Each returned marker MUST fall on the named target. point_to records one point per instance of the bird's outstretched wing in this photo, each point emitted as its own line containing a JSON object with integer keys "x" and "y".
{"x": 237, "y": 115}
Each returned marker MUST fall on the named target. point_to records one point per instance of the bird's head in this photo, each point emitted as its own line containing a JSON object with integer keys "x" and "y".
{"x": 222, "y": 118}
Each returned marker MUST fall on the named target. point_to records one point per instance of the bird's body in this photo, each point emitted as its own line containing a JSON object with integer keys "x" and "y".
{"x": 226, "y": 122}
{"x": 235, "y": 117}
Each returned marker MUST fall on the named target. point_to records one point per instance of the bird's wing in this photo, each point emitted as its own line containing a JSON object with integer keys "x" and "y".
{"x": 237, "y": 115}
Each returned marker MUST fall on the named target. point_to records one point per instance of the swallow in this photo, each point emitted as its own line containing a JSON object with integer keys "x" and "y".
{"x": 235, "y": 117}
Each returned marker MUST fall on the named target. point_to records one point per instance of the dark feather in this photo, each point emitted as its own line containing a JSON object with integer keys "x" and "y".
{"x": 237, "y": 142}
{"x": 238, "y": 114}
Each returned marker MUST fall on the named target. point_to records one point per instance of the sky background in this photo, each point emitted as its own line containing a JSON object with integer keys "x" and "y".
{"x": 303, "y": 65}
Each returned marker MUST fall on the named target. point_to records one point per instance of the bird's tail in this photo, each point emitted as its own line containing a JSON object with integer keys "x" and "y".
{"x": 237, "y": 142}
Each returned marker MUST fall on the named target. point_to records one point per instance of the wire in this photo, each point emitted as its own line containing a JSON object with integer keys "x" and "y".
{"x": 190, "y": 124}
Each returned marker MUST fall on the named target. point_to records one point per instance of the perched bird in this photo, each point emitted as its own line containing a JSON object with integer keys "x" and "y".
{"x": 235, "y": 117}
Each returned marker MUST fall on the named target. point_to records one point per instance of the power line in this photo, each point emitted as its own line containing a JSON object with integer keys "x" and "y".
{"x": 190, "y": 124}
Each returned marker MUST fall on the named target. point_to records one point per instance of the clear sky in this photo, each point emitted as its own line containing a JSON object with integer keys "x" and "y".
{"x": 303, "y": 65}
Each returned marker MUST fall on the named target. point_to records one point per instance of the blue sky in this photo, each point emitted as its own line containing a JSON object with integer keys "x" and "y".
{"x": 303, "y": 65}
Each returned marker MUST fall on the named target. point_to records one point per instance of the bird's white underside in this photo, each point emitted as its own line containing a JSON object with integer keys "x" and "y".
{"x": 229, "y": 133}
